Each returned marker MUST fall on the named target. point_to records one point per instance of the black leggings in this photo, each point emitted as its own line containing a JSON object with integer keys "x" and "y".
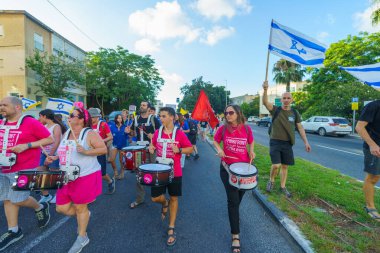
{"x": 234, "y": 197}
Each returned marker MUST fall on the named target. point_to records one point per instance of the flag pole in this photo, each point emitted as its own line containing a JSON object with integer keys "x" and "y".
{"x": 270, "y": 36}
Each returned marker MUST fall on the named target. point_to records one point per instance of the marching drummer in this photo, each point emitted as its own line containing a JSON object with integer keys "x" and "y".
{"x": 174, "y": 150}
{"x": 20, "y": 141}
{"x": 235, "y": 136}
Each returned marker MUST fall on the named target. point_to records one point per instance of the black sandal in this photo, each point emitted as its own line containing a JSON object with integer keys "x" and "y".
{"x": 372, "y": 212}
{"x": 164, "y": 213}
{"x": 174, "y": 236}
{"x": 235, "y": 249}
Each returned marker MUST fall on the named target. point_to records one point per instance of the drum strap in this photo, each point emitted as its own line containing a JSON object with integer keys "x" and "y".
{"x": 7, "y": 129}
{"x": 165, "y": 142}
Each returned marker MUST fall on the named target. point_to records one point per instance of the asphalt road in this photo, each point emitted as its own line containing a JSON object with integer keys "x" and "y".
{"x": 339, "y": 153}
{"x": 202, "y": 223}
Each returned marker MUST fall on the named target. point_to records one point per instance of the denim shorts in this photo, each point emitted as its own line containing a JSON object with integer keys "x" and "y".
{"x": 371, "y": 163}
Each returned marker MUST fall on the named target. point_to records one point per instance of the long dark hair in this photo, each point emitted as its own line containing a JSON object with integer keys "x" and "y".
{"x": 116, "y": 122}
{"x": 49, "y": 114}
{"x": 240, "y": 117}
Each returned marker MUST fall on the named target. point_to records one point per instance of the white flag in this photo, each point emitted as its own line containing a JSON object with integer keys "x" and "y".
{"x": 28, "y": 104}
{"x": 295, "y": 46}
{"x": 59, "y": 105}
{"x": 368, "y": 74}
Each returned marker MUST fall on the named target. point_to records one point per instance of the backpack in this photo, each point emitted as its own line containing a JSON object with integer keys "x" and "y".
{"x": 193, "y": 127}
{"x": 276, "y": 113}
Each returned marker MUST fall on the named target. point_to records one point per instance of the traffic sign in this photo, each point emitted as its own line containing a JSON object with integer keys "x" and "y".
{"x": 355, "y": 99}
{"x": 277, "y": 102}
{"x": 355, "y": 106}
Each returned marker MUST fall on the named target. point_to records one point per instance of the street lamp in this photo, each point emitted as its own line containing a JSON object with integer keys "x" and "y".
{"x": 226, "y": 93}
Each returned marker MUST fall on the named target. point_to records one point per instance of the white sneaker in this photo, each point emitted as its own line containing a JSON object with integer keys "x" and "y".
{"x": 79, "y": 244}
{"x": 45, "y": 198}
{"x": 53, "y": 200}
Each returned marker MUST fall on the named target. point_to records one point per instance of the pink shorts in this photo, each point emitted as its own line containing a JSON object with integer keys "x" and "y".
{"x": 83, "y": 190}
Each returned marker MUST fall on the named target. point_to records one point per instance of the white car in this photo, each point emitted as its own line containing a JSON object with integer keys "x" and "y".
{"x": 327, "y": 125}
{"x": 253, "y": 119}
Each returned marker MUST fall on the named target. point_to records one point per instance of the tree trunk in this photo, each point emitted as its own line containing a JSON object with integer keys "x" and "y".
{"x": 288, "y": 87}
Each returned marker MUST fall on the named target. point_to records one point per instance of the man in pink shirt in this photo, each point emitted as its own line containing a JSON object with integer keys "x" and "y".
{"x": 174, "y": 151}
{"x": 23, "y": 138}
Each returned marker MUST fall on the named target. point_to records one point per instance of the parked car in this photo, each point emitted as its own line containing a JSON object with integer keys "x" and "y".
{"x": 113, "y": 114}
{"x": 266, "y": 121}
{"x": 324, "y": 125}
{"x": 253, "y": 119}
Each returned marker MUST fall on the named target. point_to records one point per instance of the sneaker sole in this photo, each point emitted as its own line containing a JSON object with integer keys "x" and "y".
{"x": 48, "y": 211}
{"x": 11, "y": 242}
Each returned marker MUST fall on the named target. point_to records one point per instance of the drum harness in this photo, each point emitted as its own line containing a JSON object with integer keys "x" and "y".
{"x": 164, "y": 159}
{"x": 72, "y": 172}
{"x": 141, "y": 142}
{"x": 8, "y": 160}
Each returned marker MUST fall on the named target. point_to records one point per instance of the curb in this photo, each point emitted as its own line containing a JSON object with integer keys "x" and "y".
{"x": 291, "y": 228}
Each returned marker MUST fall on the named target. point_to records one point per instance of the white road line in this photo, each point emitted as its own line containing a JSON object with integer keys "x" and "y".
{"x": 352, "y": 153}
{"x": 46, "y": 233}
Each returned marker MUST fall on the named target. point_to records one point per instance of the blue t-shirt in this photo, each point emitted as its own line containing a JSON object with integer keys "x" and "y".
{"x": 186, "y": 126}
{"x": 120, "y": 138}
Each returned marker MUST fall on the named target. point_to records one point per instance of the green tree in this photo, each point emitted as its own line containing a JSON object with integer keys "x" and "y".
{"x": 331, "y": 90}
{"x": 285, "y": 72}
{"x": 252, "y": 108}
{"x": 56, "y": 74}
{"x": 375, "y": 16}
{"x": 216, "y": 95}
{"x": 117, "y": 78}
{"x": 299, "y": 100}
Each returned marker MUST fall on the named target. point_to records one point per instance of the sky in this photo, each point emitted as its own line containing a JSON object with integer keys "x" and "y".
{"x": 225, "y": 41}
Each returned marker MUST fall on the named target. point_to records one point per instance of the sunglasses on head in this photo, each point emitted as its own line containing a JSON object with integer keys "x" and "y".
{"x": 229, "y": 113}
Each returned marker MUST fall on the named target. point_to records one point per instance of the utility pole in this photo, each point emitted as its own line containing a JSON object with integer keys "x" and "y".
{"x": 226, "y": 93}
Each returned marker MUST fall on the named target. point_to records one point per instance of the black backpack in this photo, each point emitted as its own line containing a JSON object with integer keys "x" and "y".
{"x": 276, "y": 112}
{"x": 193, "y": 127}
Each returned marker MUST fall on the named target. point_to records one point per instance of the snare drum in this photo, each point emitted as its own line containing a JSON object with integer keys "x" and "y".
{"x": 243, "y": 176}
{"x": 38, "y": 180}
{"x": 134, "y": 156}
{"x": 155, "y": 174}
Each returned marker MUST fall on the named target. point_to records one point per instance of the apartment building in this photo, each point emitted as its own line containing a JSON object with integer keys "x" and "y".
{"x": 21, "y": 35}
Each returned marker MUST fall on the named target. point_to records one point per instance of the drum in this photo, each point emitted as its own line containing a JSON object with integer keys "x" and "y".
{"x": 155, "y": 174}
{"x": 38, "y": 180}
{"x": 134, "y": 156}
{"x": 243, "y": 176}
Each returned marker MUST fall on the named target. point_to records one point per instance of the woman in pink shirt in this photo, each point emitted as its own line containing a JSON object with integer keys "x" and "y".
{"x": 235, "y": 136}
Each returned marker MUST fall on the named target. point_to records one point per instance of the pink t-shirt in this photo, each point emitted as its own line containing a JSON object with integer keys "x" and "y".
{"x": 30, "y": 130}
{"x": 183, "y": 142}
{"x": 235, "y": 143}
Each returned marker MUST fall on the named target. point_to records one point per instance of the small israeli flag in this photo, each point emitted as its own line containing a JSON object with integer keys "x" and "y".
{"x": 368, "y": 74}
{"x": 59, "y": 105}
{"x": 295, "y": 46}
{"x": 28, "y": 104}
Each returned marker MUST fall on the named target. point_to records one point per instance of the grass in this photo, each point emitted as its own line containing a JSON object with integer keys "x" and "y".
{"x": 312, "y": 186}
{"x": 323, "y": 224}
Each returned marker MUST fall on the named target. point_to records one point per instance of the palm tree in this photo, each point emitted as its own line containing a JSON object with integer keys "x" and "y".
{"x": 376, "y": 13}
{"x": 285, "y": 72}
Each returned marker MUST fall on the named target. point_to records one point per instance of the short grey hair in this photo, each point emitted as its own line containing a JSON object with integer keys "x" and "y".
{"x": 15, "y": 101}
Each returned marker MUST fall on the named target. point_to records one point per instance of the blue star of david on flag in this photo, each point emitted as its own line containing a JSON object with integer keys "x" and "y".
{"x": 59, "y": 105}
{"x": 296, "y": 47}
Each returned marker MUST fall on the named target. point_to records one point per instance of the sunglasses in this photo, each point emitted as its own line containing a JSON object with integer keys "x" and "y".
{"x": 229, "y": 113}
{"x": 74, "y": 116}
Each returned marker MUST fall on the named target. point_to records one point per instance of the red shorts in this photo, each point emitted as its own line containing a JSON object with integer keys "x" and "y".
{"x": 83, "y": 190}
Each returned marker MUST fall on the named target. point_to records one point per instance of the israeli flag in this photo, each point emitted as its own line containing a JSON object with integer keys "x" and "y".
{"x": 59, "y": 105}
{"x": 28, "y": 104}
{"x": 368, "y": 74}
{"x": 295, "y": 46}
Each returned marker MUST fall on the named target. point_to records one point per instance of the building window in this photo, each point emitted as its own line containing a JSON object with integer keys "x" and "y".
{"x": 39, "y": 99}
{"x": 1, "y": 31}
{"x": 14, "y": 94}
{"x": 38, "y": 42}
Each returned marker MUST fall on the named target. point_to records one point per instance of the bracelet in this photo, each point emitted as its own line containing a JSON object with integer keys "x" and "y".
{"x": 29, "y": 145}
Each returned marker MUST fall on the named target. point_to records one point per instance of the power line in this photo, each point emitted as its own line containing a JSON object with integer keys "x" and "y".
{"x": 87, "y": 36}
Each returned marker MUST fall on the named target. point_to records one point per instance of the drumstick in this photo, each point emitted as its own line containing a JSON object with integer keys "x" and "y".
{"x": 250, "y": 162}
{"x": 44, "y": 151}
{"x": 232, "y": 157}
{"x": 143, "y": 130}
{"x": 75, "y": 138}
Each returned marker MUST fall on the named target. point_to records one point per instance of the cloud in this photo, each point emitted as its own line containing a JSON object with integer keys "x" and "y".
{"x": 147, "y": 46}
{"x": 216, "y": 9}
{"x": 362, "y": 21}
{"x": 171, "y": 90}
{"x": 165, "y": 21}
{"x": 217, "y": 33}
{"x": 330, "y": 19}
{"x": 322, "y": 36}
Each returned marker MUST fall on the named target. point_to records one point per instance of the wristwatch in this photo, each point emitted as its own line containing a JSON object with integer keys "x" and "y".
{"x": 29, "y": 145}
{"x": 180, "y": 150}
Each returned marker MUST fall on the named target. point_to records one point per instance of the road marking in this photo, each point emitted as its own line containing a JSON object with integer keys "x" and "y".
{"x": 48, "y": 232}
{"x": 341, "y": 150}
